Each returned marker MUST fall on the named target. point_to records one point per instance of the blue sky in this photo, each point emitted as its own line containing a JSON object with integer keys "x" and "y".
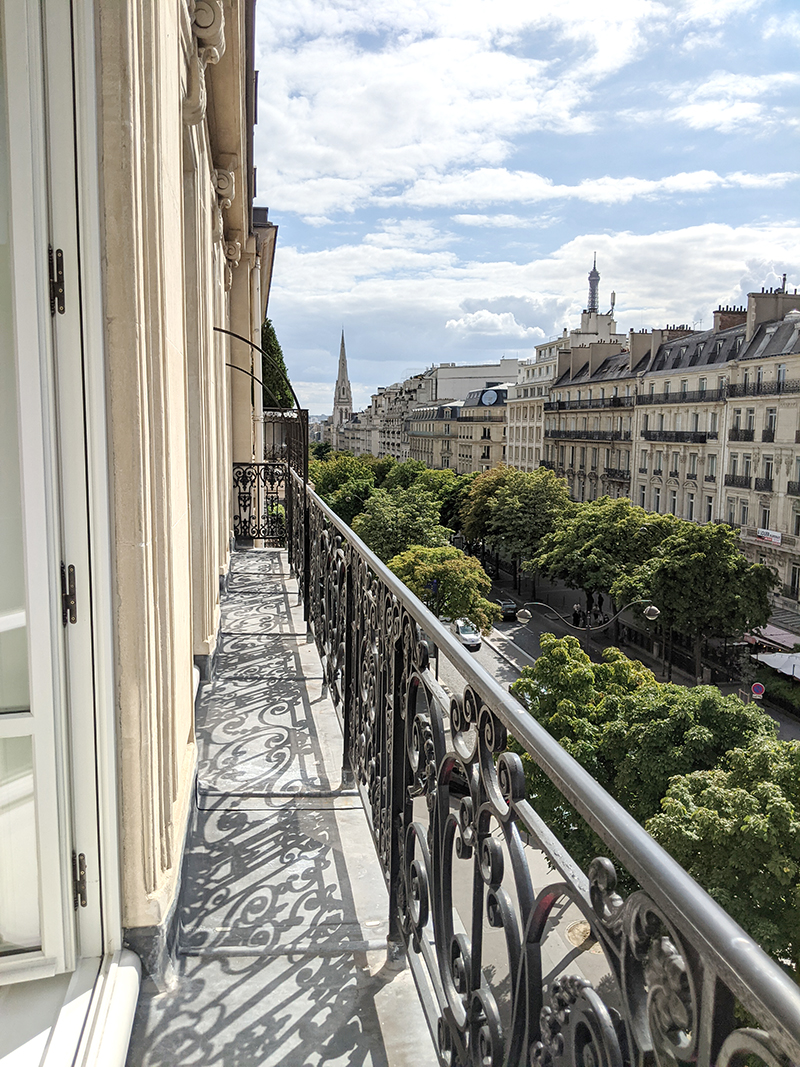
{"x": 442, "y": 171}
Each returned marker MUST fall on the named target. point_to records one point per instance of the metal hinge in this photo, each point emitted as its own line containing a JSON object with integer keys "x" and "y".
{"x": 56, "y": 281}
{"x": 78, "y": 880}
{"x": 69, "y": 603}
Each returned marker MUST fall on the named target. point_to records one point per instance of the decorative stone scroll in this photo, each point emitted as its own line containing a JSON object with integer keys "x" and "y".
{"x": 208, "y": 32}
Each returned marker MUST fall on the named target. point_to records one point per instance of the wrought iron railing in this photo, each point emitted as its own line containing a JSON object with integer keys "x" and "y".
{"x": 687, "y": 437}
{"x": 741, "y": 433}
{"x": 693, "y": 396}
{"x": 617, "y": 474}
{"x": 259, "y": 489}
{"x": 774, "y": 388}
{"x": 590, "y": 435}
{"x": 590, "y": 402}
{"x": 763, "y": 485}
{"x": 738, "y": 481}
{"x": 793, "y": 488}
{"x": 451, "y": 817}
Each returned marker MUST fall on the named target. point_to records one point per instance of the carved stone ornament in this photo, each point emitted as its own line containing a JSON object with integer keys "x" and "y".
{"x": 208, "y": 31}
{"x": 233, "y": 253}
{"x": 225, "y": 188}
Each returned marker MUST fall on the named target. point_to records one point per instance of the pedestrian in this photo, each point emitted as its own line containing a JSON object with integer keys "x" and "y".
{"x": 576, "y": 614}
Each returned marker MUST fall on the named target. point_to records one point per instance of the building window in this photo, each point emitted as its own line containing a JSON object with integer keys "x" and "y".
{"x": 751, "y": 418}
{"x": 684, "y": 385}
{"x": 656, "y": 499}
{"x": 781, "y": 375}
{"x": 734, "y": 463}
{"x": 737, "y": 418}
{"x": 643, "y": 496}
{"x": 794, "y": 581}
{"x": 747, "y": 465}
{"x": 690, "y": 507}
{"x": 712, "y": 422}
{"x": 765, "y": 518}
{"x": 594, "y": 459}
{"x": 701, "y": 385}
{"x": 693, "y": 464}
{"x": 487, "y": 432}
{"x": 768, "y": 467}
{"x": 772, "y": 419}
{"x": 709, "y": 508}
{"x": 744, "y": 512}
{"x": 673, "y": 502}
{"x": 667, "y": 386}
{"x": 643, "y": 461}
{"x": 731, "y": 511}
{"x": 711, "y": 464}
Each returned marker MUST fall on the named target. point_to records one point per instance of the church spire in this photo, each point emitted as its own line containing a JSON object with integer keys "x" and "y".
{"x": 594, "y": 282}
{"x": 342, "y": 395}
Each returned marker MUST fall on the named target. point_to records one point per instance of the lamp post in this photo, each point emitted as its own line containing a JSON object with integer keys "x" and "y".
{"x": 651, "y": 613}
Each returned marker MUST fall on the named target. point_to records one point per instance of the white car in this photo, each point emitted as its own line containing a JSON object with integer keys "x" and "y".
{"x": 467, "y": 633}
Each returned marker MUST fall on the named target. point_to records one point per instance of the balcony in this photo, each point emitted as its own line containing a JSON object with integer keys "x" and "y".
{"x": 590, "y": 435}
{"x": 791, "y": 592}
{"x": 768, "y": 434}
{"x": 352, "y": 817}
{"x": 776, "y": 388}
{"x": 688, "y": 437}
{"x": 616, "y": 474}
{"x": 738, "y": 481}
{"x": 710, "y": 478}
{"x": 691, "y": 476}
{"x": 674, "y": 474}
{"x": 658, "y": 471}
{"x": 643, "y": 470}
{"x": 697, "y": 396}
{"x": 740, "y": 433}
{"x": 793, "y": 489}
{"x": 586, "y": 403}
{"x": 763, "y": 485}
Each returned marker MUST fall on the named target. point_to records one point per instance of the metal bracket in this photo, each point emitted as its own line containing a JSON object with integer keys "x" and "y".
{"x": 78, "y": 880}
{"x": 69, "y": 603}
{"x": 56, "y": 281}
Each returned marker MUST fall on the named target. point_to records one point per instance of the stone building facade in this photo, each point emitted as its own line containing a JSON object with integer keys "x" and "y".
{"x": 128, "y": 236}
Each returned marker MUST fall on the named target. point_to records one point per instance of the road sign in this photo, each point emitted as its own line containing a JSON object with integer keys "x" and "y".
{"x": 757, "y": 689}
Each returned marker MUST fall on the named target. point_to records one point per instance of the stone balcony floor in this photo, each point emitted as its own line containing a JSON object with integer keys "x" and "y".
{"x": 283, "y": 907}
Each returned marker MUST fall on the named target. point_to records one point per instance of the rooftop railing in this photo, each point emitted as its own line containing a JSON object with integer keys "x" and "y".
{"x": 451, "y": 817}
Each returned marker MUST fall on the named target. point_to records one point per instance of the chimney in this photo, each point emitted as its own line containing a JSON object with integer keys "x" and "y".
{"x": 768, "y": 306}
{"x": 725, "y": 317}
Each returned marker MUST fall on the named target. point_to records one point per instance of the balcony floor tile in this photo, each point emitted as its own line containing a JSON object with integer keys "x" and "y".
{"x": 283, "y": 910}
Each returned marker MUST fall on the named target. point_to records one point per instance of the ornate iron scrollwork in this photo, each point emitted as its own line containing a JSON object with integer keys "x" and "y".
{"x": 451, "y": 819}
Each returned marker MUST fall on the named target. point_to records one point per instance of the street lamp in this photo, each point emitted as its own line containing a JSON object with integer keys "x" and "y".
{"x": 651, "y": 613}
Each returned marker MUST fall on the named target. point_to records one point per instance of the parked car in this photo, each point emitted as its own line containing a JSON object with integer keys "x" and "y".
{"x": 467, "y": 633}
{"x": 508, "y": 608}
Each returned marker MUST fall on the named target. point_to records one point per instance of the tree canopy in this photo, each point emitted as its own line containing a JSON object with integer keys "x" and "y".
{"x": 393, "y": 521}
{"x": 448, "y": 582}
{"x": 599, "y": 541}
{"x": 702, "y": 583}
{"x": 476, "y": 509}
{"x": 526, "y": 507}
{"x": 736, "y": 829}
{"x": 273, "y": 370}
{"x": 629, "y": 731}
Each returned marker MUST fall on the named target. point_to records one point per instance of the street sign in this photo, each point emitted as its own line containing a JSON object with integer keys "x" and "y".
{"x": 757, "y": 689}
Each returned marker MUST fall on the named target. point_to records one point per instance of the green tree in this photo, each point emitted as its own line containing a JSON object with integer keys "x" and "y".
{"x": 273, "y": 370}
{"x": 320, "y": 450}
{"x": 449, "y": 582}
{"x": 599, "y": 541}
{"x": 629, "y": 731}
{"x": 702, "y": 583}
{"x": 332, "y": 473}
{"x": 404, "y": 475}
{"x": 477, "y": 507}
{"x": 524, "y": 509}
{"x": 380, "y": 467}
{"x": 351, "y": 498}
{"x": 455, "y": 499}
{"x": 392, "y": 522}
{"x": 736, "y": 829}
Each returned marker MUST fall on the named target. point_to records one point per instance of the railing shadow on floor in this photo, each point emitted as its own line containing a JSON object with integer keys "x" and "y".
{"x": 471, "y": 902}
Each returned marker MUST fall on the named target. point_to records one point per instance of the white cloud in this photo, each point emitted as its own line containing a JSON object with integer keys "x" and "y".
{"x": 505, "y": 221}
{"x": 498, "y": 185}
{"x": 504, "y": 324}
{"x": 408, "y": 233}
{"x": 728, "y": 101}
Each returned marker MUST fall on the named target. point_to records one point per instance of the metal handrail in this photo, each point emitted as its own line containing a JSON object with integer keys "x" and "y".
{"x": 328, "y": 555}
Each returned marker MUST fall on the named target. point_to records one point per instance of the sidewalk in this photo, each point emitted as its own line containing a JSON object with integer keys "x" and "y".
{"x": 283, "y": 905}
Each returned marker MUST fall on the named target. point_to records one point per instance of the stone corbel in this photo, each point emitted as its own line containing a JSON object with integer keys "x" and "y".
{"x": 208, "y": 31}
{"x": 233, "y": 253}
{"x": 225, "y": 188}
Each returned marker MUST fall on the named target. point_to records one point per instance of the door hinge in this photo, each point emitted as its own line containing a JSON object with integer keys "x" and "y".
{"x": 69, "y": 603}
{"x": 78, "y": 880}
{"x": 56, "y": 281}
